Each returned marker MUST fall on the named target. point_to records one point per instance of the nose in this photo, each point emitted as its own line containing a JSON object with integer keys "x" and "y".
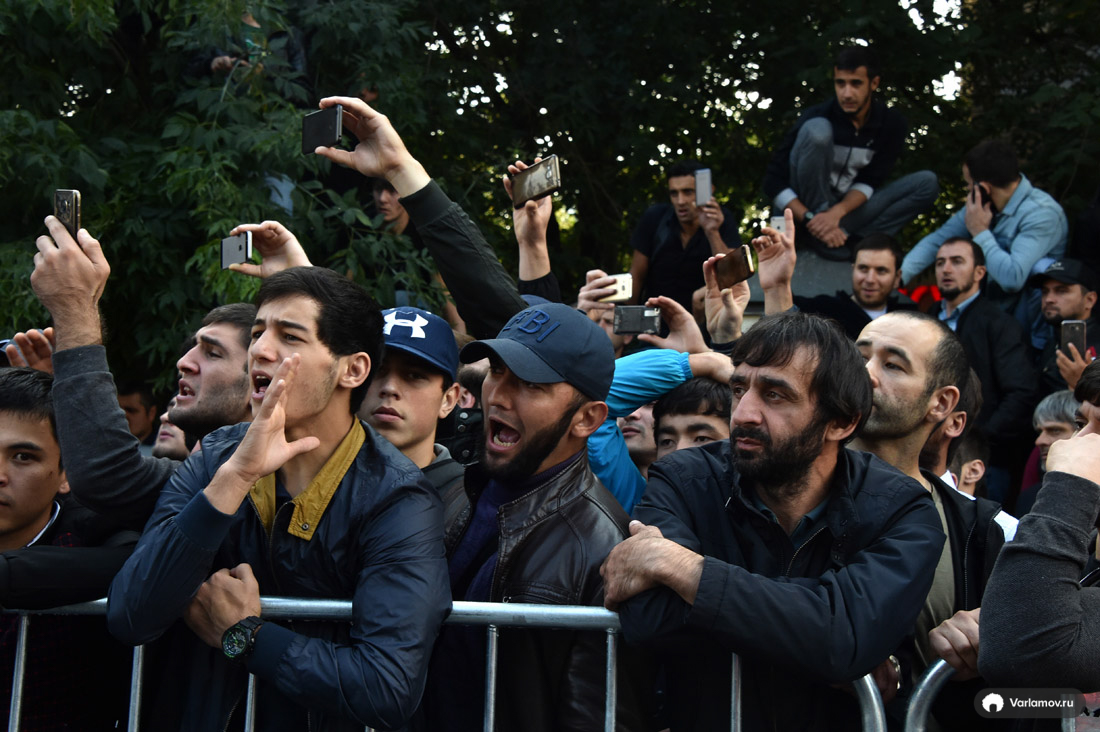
{"x": 188, "y": 363}
{"x": 746, "y": 410}
{"x": 263, "y": 348}
{"x": 164, "y": 418}
{"x": 872, "y": 371}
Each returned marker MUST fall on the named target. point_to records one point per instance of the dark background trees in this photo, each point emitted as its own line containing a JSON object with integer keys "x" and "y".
{"x": 98, "y": 96}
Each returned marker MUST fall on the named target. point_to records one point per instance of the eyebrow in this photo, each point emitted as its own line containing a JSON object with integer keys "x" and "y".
{"x": 894, "y": 350}
{"x": 212, "y": 341}
{"x": 284, "y": 324}
{"x": 20, "y": 446}
{"x": 690, "y": 427}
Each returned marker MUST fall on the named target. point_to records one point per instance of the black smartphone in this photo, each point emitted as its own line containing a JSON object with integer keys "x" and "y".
{"x": 736, "y": 266}
{"x": 541, "y": 179}
{"x": 66, "y": 207}
{"x": 322, "y": 128}
{"x": 1073, "y": 331}
{"x": 236, "y": 249}
{"x": 634, "y": 319}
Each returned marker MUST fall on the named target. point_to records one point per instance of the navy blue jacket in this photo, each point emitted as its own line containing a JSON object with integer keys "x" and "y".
{"x": 377, "y": 539}
{"x": 800, "y": 619}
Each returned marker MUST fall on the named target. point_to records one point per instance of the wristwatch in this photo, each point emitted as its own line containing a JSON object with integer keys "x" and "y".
{"x": 807, "y": 216}
{"x": 238, "y": 641}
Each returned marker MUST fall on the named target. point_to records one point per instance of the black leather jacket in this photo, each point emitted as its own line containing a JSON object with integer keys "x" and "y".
{"x": 553, "y": 540}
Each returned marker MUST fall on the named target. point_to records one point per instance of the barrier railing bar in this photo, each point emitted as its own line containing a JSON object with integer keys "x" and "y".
{"x": 611, "y": 682}
{"x": 477, "y": 613}
{"x": 250, "y": 705}
{"x": 18, "y": 673}
{"x": 491, "y": 677}
{"x": 735, "y": 693}
{"x": 137, "y": 670}
{"x": 924, "y": 693}
{"x": 871, "y": 709}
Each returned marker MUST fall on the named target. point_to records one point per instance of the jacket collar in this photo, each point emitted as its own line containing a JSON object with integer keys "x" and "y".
{"x": 1023, "y": 190}
{"x": 310, "y": 504}
{"x": 539, "y": 501}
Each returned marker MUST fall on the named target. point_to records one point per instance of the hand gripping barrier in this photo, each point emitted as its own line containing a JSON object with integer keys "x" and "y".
{"x": 490, "y": 614}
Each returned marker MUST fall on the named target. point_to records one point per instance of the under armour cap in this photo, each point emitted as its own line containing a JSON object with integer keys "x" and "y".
{"x": 1068, "y": 271}
{"x": 424, "y": 335}
{"x": 545, "y": 344}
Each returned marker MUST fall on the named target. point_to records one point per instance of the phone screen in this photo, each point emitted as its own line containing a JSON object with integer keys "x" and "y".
{"x": 703, "y": 186}
{"x": 541, "y": 179}
{"x": 322, "y": 128}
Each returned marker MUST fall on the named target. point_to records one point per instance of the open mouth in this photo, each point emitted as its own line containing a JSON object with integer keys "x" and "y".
{"x": 260, "y": 383}
{"x": 185, "y": 391}
{"x": 501, "y": 436}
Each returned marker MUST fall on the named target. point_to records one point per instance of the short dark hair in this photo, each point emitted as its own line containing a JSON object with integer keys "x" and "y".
{"x": 132, "y": 386}
{"x": 851, "y": 58}
{"x": 993, "y": 162}
{"x": 349, "y": 320}
{"x": 683, "y": 167}
{"x": 879, "y": 242}
{"x": 970, "y": 401}
{"x": 698, "y": 395}
{"x": 949, "y": 365}
{"x": 979, "y": 255}
{"x": 28, "y": 393}
{"x": 840, "y": 382}
{"x": 1088, "y": 386}
{"x": 240, "y": 314}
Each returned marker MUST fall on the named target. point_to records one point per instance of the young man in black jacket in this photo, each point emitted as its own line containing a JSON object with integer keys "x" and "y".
{"x": 807, "y": 559}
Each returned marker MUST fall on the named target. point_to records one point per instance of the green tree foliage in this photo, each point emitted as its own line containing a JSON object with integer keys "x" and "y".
{"x": 104, "y": 96}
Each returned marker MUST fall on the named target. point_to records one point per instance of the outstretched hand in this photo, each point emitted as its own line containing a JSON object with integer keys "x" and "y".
{"x": 380, "y": 152}
{"x": 69, "y": 277}
{"x": 278, "y": 248}
{"x": 775, "y": 254}
{"x": 683, "y": 332}
{"x": 33, "y": 349}
{"x": 533, "y": 217}
{"x": 724, "y": 308}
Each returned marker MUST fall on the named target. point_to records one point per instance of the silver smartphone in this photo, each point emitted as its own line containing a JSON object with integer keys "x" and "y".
{"x": 236, "y": 249}
{"x": 703, "y": 186}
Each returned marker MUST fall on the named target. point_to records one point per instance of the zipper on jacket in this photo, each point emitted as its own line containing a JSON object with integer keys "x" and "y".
{"x": 966, "y": 566}
{"x": 232, "y": 709}
{"x": 813, "y": 536}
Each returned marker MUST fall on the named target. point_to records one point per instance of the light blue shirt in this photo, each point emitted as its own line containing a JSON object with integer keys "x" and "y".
{"x": 1031, "y": 226}
{"x": 952, "y": 320}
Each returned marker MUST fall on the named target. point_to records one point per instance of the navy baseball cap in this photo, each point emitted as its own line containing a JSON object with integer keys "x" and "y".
{"x": 424, "y": 335}
{"x": 545, "y": 344}
{"x": 1068, "y": 271}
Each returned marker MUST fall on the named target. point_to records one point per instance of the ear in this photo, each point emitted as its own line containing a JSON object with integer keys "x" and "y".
{"x": 466, "y": 398}
{"x": 355, "y": 370}
{"x": 972, "y": 471}
{"x": 837, "y": 431}
{"x": 587, "y": 419}
{"x": 450, "y": 400}
{"x": 1090, "y": 299}
{"x": 64, "y": 487}
{"x": 897, "y": 280}
{"x": 942, "y": 403}
{"x": 873, "y": 84}
{"x": 955, "y": 425}
{"x": 980, "y": 272}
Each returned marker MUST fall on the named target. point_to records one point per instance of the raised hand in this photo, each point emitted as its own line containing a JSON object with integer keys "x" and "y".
{"x": 279, "y": 249}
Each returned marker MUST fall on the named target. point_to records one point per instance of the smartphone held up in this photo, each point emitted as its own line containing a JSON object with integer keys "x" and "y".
{"x": 236, "y": 249}
{"x": 537, "y": 181}
{"x": 322, "y": 129}
{"x": 66, "y": 208}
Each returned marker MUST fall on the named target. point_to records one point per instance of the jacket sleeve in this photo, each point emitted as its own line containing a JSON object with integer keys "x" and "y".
{"x": 485, "y": 295}
{"x": 172, "y": 559}
{"x": 887, "y": 148}
{"x": 835, "y": 627}
{"x": 106, "y": 470}
{"x": 50, "y": 576}
{"x": 402, "y": 594}
{"x": 644, "y": 376}
{"x": 1039, "y": 626}
{"x": 1039, "y": 232}
{"x": 924, "y": 253}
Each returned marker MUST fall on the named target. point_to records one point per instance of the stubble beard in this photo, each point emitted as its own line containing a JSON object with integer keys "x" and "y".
{"x": 524, "y": 463}
{"x": 781, "y": 469}
{"x": 221, "y": 406}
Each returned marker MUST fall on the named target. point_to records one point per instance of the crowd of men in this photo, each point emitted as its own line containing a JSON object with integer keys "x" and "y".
{"x": 813, "y": 493}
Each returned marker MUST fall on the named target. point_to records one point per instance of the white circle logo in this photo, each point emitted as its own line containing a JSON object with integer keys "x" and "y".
{"x": 993, "y": 703}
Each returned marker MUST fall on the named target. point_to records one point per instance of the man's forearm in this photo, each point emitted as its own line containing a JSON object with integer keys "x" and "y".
{"x": 717, "y": 245}
{"x": 778, "y": 299}
{"x": 680, "y": 569}
{"x": 77, "y": 327}
{"x": 852, "y": 200}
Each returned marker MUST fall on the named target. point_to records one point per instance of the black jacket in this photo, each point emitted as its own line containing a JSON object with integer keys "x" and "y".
{"x": 845, "y": 311}
{"x": 826, "y": 613}
{"x": 996, "y": 346}
{"x": 1050, "y": 379}
{"x": 552, "y": 542}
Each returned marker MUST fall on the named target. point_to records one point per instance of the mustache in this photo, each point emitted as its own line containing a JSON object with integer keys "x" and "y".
{"x": 751, "y": 433}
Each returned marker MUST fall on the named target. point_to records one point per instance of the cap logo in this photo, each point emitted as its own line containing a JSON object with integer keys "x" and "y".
{"x": 416, "y": 325}
{"x": 534, "y": 323}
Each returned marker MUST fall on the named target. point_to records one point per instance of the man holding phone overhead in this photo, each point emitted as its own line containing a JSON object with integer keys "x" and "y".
{"x": 672, "y": 240}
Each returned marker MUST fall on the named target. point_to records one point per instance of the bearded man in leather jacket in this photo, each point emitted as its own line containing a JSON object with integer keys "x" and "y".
{"x": 533, "y": 526}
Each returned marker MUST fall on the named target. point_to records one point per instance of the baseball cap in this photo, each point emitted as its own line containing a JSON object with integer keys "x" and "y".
{"x": 422, "y": 334}
{"x": 548, "y": 343}
{"x": 1068, "y": 271}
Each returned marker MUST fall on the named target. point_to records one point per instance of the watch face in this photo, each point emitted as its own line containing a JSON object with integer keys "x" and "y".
{"x": 235, "y": 641}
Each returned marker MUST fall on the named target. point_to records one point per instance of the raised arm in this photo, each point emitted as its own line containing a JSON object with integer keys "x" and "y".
{"x": 775, "y": 265}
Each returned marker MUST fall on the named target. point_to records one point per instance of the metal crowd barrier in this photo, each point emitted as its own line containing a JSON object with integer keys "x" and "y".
{"x": 929, "y": 685}
{"x": 491, "y": 614}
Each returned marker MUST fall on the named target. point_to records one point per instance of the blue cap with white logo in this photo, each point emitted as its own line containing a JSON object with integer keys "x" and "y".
{"x": 424, "y": 335}
{"x": 545, "y": 344}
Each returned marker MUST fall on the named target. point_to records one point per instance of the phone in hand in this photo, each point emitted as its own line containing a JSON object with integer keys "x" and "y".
{"x": 538, "y": 181}
{"x": 322, "y": 128}
{"x": 635, "y": 319}
{"x": 1073, "y": 331}
{"x": 66, "y": 208}
{"x": 624, "y": 288}
{"x": 703, "y": 186}
{"x": 736, "y": 266}
{"x": 236, "y": 249}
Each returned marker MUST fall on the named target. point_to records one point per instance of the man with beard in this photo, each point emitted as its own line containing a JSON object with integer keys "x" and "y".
{"x": 534, "y": 525}
{"x": 1069, "y": 291}
{"x": 107, "y": 473}
{"x": 916, "y": 364}
{"x": 996, "y": 347}
{"x": 806, "y": 559}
